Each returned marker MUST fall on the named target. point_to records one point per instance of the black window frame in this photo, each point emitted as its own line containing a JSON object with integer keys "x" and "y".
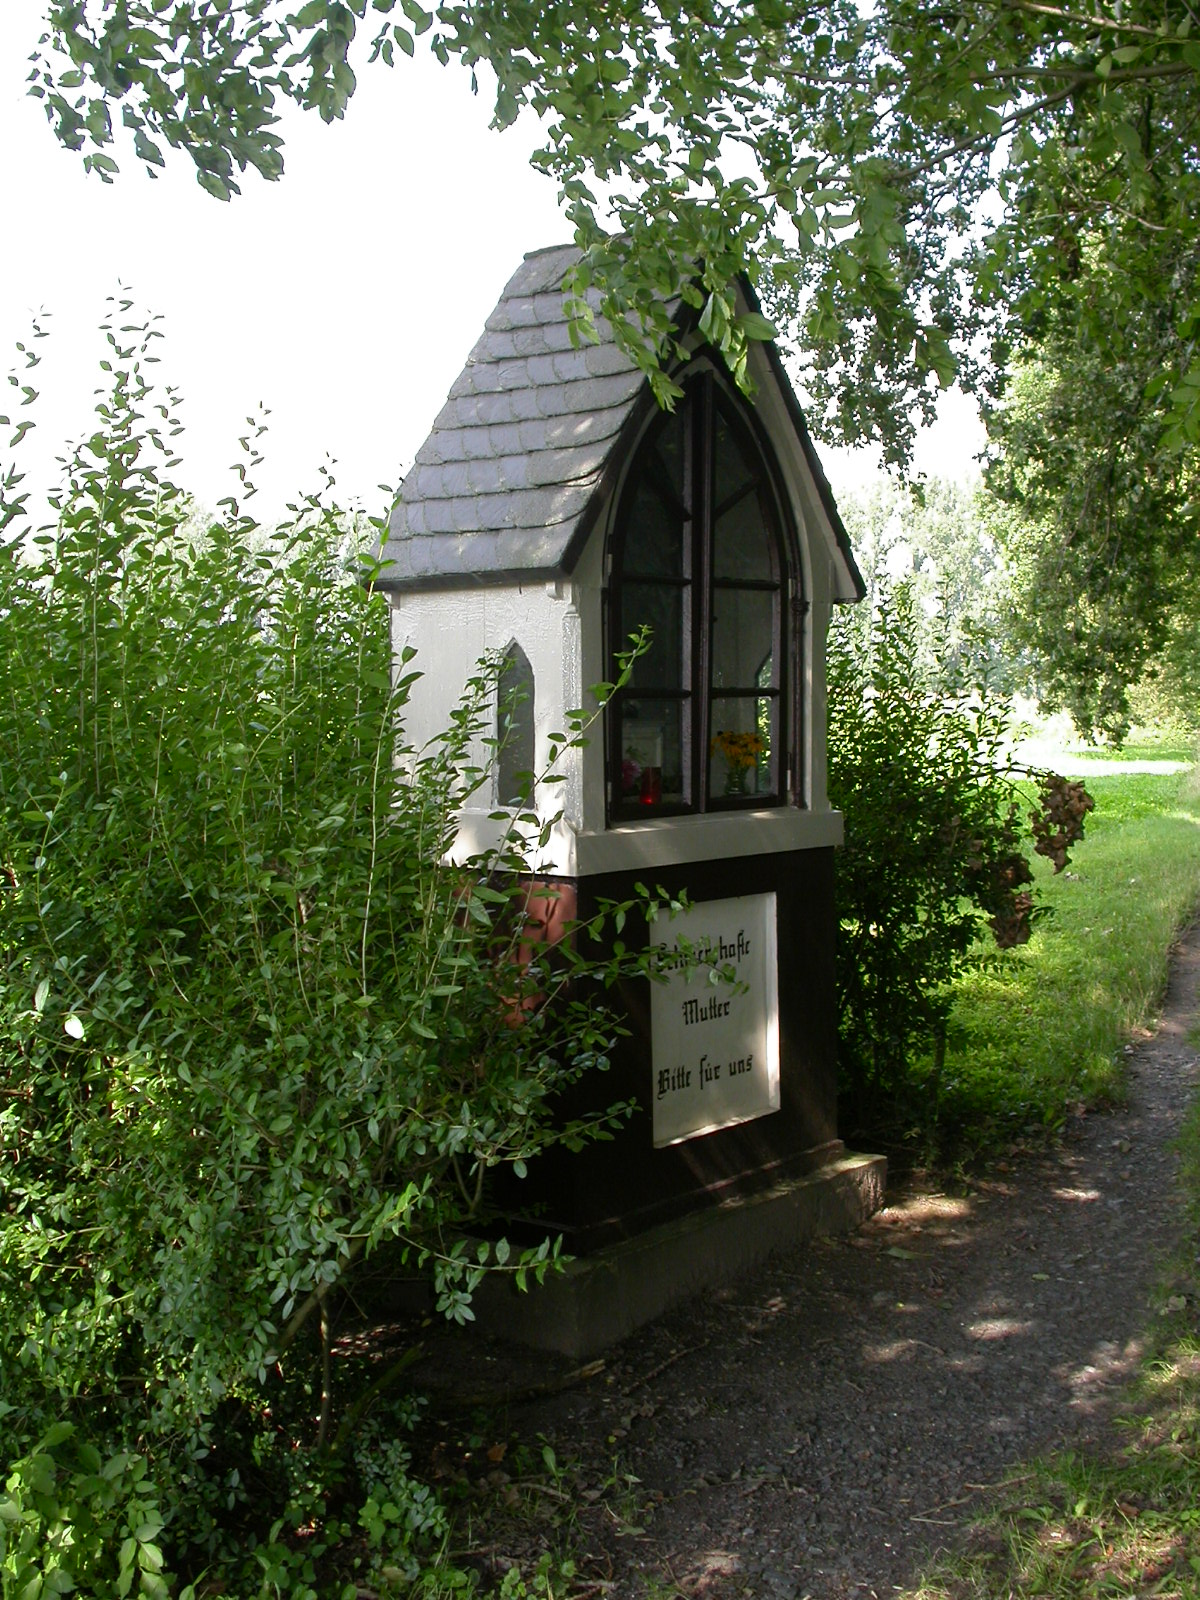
{"x": 706, "y": 396}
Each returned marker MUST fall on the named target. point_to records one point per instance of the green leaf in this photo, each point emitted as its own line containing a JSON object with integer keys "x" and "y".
{"x": 507, "y": 108}
{"x": 754, "y": 325}
{"x": 312, "y": 15}
{"x": 150, "y": 1557}
{"x": 214, "y": 184}
{"x": 147, "y": 149}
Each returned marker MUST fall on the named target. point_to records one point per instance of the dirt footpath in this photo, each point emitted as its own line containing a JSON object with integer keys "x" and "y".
{"x": 822, "y": 1427}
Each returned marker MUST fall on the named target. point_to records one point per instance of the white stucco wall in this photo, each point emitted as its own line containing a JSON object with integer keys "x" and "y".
{"x": 451, "y": 631}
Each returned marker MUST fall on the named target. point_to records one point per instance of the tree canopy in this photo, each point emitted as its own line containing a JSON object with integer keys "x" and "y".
{"x": 1097, "y": 522}
{"x": 917, "y": 178}
{"x": 920, "y": 191}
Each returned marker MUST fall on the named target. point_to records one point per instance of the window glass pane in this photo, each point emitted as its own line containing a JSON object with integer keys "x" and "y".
{"x": 731, "y": 470}
{"x": 654, "y": 535}
{"x": 668, "y": 447}
{"x": 743, "y": 637}
{"x": 661, "y": 607}
{"x": 739, "y": 757}
{"x": 742, "y": 543}
{"x": 651, "y": 752}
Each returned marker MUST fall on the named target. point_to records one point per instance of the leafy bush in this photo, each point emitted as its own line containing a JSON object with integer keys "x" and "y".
{"x": 73, "y": 1522}
{"x": 252, "y": 1024}
{"x": 934, "y": 848}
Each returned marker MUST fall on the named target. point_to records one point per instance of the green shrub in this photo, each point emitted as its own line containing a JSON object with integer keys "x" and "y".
{"x": 934, "y": 852}
{"x": 72, "y": 1522}
{"x": 252, "y": 1023}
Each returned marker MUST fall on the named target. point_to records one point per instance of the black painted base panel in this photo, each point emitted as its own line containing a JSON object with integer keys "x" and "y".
{"x": 618, "y": 1189}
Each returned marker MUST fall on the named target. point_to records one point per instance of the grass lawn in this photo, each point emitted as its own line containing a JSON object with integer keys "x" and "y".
{"x": 1037, "y": 1029}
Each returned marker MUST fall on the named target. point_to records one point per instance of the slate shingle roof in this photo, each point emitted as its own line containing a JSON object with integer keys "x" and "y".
{"x": 507, "y": 482}
{"x": 519, "y": 448}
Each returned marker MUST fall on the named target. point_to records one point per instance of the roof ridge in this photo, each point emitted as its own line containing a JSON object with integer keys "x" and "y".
{"x": 551, "y": 249}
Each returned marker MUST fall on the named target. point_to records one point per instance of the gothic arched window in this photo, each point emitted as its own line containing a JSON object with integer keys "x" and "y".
{"x": 702, "y": 554}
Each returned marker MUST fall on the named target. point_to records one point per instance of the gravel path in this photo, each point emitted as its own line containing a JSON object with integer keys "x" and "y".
{"x": 824, "y": 1426}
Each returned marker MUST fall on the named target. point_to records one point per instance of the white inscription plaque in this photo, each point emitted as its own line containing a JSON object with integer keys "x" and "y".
{"x": 715, "y": 1044}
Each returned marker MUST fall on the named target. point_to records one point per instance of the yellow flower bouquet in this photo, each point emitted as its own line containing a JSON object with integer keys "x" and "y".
{"x": 740, "y": 752}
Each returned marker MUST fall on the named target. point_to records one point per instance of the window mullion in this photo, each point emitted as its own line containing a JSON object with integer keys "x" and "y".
{"x": 688, "y": 662}
{"x": 703, "y": 490}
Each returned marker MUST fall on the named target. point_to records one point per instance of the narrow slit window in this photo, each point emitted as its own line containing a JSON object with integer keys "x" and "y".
{"x": 514, "y": 728}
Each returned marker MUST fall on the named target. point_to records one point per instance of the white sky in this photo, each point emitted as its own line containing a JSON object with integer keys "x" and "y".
{"x": 344, "y": 297}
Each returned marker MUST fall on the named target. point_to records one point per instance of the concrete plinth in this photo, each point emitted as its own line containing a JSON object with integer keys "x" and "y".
{"x": 599, "y": 1299}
